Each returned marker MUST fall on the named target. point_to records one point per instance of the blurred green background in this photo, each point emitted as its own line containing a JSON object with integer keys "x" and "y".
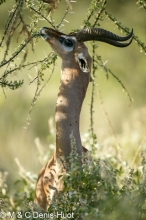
{"x": 129, "y": 64}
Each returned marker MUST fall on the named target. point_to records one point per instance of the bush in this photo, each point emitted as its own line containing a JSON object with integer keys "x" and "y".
{"x": 94, "y": 188}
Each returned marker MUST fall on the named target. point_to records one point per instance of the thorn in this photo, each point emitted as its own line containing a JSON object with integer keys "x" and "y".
{"x": 30, "y": 76}
{"x": 36, "y": 69}
{"x": 105, "y": 62}
{"x": 45, "y": 54}
{"x": 68, "y": 2}
{"x": 66, "y": 20}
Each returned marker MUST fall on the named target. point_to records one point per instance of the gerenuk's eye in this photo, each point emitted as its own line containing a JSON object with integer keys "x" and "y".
{"x": 68, "y": 42}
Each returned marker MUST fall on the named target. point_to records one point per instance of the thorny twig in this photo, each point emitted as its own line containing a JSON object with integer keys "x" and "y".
{"x": 99, "y": 14}
{"x": 61, "y": 21}
{"x": 12, "y": 28}
{"x": 9, "y": 21}
{"x": 101, "y": 64}
{"x": 141, "y": 3}
{"x": 39, "y": 13}
{"x": 125, "y": 29}
{"x": 22, "y": 46}
{"x": 6, "y": 73}
{"x": 118, "y": 146}
{"x": 38, "y": 91}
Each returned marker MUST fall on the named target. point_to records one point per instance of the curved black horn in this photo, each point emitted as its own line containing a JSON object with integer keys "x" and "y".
{"x": 102, "y": 35}
{"x": 116, "y": 43}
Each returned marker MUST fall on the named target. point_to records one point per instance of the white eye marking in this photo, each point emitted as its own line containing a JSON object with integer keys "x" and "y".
{"x": 67, "y": 42}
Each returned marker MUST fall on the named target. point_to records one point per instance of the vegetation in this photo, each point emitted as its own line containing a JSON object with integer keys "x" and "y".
{"x": 104, "y": 187}
{"x": 107, "y": 186}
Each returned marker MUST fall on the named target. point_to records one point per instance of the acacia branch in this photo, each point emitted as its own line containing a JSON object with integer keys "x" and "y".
{"x": 39, "y": 13}
{"x": 102, "y": 65}
{"x": 126, "y": 30}
{"x": 22, "y": 45}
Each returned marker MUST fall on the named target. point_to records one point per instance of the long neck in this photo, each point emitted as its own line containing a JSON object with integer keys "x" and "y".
{"x": 71, "y": 94}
